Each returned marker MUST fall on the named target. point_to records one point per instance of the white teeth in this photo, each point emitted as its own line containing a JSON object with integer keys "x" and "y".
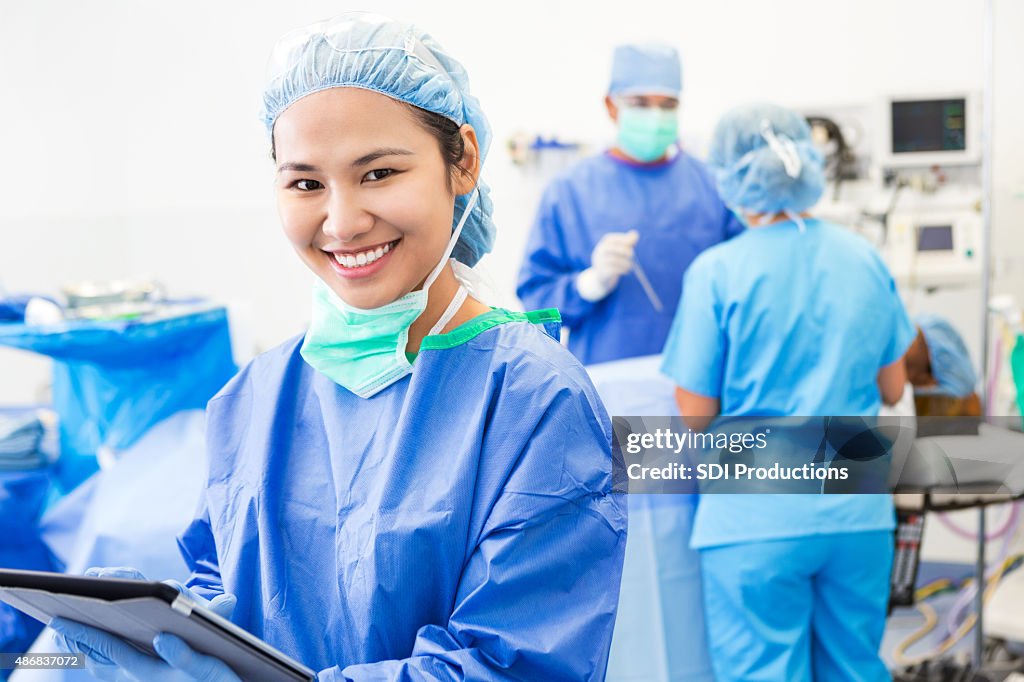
{"x": 349, "y": 260}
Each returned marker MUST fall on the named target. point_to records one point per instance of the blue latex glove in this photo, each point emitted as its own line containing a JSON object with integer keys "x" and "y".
{"x": 110, "y": 658}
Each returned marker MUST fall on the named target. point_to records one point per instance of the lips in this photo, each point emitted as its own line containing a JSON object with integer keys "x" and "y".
{"x": 361, "y": 263}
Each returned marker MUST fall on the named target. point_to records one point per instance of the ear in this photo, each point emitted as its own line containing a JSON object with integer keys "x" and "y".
{"x": 753, "y": 219}
{"x": 465, "y": 181}
{"x": 613, "y": 111}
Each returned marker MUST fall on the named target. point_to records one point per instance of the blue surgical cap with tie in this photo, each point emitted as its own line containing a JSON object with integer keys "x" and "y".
{"x": 764, "y": 161}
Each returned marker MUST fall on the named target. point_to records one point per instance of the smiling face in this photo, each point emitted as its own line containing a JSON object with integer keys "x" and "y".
{"x": 364, "y": 194}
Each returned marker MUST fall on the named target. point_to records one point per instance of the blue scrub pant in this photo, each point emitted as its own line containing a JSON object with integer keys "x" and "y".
{"x": 798, "y": 609}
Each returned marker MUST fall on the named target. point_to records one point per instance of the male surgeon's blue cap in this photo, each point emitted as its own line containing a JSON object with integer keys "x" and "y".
{"x": 951, "y": 363}
{"x": 646, "y": 70}
{"x": 373, "y": 52}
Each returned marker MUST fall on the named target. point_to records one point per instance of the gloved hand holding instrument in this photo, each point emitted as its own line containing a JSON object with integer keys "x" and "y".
{"x": 613, "y": 257}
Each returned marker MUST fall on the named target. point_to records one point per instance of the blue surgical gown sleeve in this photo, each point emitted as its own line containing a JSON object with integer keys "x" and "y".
{"x": 200, "y": 553}
{"x": 694, "y": 355}
{"x": 538, "y": 595}
{"x": 557, "y": 251}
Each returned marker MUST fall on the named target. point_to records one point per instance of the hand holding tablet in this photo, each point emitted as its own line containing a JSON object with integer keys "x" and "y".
{"x": 132, "y": 629}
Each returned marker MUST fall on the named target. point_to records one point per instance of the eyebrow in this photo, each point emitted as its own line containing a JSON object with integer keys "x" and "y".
{"x": 378, "y": 153}
{"x": 361, "y": 161}
{"x": 296, "y": 167}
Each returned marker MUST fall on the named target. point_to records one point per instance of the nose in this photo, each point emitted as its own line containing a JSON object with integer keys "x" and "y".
{"x": 346, "y": 219}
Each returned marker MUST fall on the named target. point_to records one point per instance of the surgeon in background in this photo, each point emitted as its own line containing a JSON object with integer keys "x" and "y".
{"x": 939, "y": 367}
{"x": 795, "y": 317}
{"x": 614, "y": 234}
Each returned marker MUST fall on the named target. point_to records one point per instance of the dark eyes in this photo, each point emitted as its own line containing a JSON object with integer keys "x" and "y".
{"x": 376, "y": 175}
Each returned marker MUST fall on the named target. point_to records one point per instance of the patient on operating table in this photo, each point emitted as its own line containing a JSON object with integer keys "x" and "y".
{"x": 940, "y": 369}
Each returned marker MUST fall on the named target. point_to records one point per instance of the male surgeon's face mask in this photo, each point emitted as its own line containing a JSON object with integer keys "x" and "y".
{"x": 363, "y": 350}
{"x": 645, "y": 132}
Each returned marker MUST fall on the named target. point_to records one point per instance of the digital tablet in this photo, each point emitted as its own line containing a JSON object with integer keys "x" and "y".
{"x": 137, "y": 611}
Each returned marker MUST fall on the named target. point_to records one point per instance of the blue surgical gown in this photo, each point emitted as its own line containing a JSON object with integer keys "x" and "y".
{"x": 460, "y": 524}
{"x": 779, "y": 322}
{"x": 675, "y": 208}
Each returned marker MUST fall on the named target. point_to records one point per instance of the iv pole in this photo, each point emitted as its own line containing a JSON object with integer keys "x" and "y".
{"x": 988, "y": 46}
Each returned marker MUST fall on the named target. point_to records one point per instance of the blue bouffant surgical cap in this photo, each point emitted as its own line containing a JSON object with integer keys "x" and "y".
{"x": 369, "y": 51}
{"x": 764, "y": 161}
{"x": 950, "y": 361}
{"x": 646, "y": 70}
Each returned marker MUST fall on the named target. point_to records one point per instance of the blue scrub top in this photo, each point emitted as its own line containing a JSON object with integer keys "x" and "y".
{"x": 675, "y": 208}
{"x": 461, "y": 522}
{"x": 781, "y": 322}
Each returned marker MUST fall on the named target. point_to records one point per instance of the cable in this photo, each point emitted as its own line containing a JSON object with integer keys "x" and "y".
{"x": 932, "y": 619}
{"x": 840, "y": 165}
{"x": 963, "y": 602}
{"x": 883, "y": 218}
{"x": 1009, "y": 523}
{"x": 969, "y": 622}
{"x": 933, "y": 588}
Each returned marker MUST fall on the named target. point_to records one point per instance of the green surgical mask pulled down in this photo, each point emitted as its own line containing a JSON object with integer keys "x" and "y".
{"x": 646, "y": 133}
{"x": 363, "y": 350}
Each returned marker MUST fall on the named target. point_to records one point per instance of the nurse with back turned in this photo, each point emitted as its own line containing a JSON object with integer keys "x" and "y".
{"x": 795, "y": 317}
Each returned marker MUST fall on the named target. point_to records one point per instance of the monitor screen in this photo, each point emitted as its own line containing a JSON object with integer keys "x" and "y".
{"x": 935, "y": 125}
{"x": 935, "y": 238}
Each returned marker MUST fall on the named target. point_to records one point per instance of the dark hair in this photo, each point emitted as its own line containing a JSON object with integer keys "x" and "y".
{"x": 446, "y": 131}
{"x": 449, "y": 138}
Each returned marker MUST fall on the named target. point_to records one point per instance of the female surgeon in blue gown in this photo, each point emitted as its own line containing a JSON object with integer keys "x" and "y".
{"x": 419, "y": 487}
{"x": 795, "y": 317}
